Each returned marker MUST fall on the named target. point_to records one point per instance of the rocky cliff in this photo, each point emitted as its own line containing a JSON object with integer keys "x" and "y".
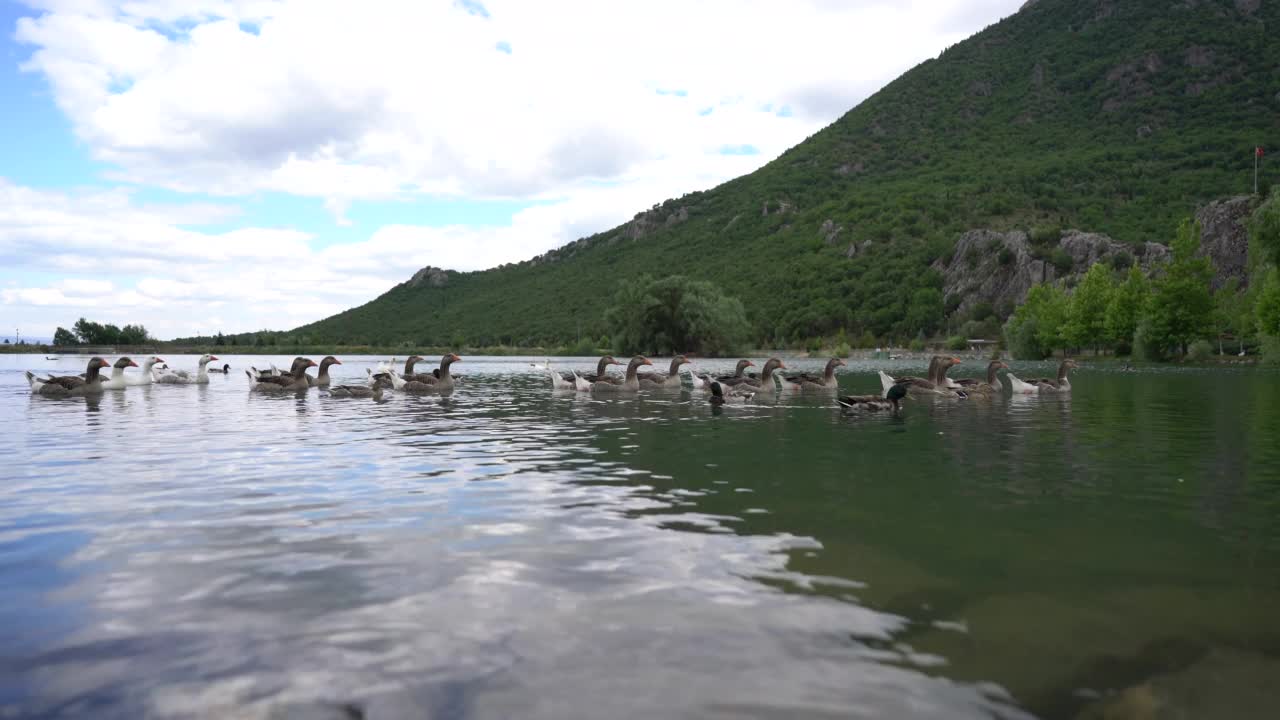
{"x": 1000, "y": 267}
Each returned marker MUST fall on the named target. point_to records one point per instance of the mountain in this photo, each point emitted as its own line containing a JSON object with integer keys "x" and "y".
{"x": 1109, "y": 116}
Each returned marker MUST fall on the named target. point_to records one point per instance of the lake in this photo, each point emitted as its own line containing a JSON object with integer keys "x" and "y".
{"x": 200, "y": 551}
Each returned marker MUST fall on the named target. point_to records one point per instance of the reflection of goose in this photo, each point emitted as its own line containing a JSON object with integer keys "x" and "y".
{"x": 1044, "y": 385}
{"x": 874, "y": 403}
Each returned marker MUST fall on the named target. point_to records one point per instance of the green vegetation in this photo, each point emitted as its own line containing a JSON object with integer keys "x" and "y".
{"x": 1174, "y": 313}
{"x": 675, "y": 315}
{"x": 85, "y": 332}
{"x": 1060, "y": 116}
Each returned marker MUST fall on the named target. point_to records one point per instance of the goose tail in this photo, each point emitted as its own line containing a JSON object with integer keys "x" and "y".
{"x": 1021, "y": 387}
{"x": 886, "y": 382}
{"x": 580, "y": 383}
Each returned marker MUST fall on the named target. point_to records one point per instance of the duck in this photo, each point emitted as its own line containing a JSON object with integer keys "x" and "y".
{"x": 764, "y": 383}
{"x": 70, "y": 385}
{"x": 992, "y": 385}
{"x": 629, "y": 384}
{"x": 664, "y": 380}
{"x": 182, "y": 377}
{"x": 380, "y": 381}
{"x": 223, "y": 370}
{"x": 147, "y": 376}
{"x": 722, "y": 396}
{"x": 295, "y": 381}
{"x": 862, "y": 404}
{"x": 433, "y": 382}
{"x": 1044, "y": 385}
{"x": 809, "y": 381}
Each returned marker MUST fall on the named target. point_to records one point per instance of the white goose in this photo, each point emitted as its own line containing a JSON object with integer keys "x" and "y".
{"x": 147, "y": 376}
{"x": 182, "y": 377}
{"x": 700, "y": 382}
{"x": 558, "y": 381}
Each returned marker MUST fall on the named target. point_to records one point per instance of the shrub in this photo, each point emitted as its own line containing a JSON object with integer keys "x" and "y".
{"x": 1046, "y": 234}
{"x": 1200, "y": 351}
{"x": 1061, "y": 260}
{"x": 957, "y": 342}
{"x": 1121, "y": 261}
{"x": 842, "y": 350}
{"x": 1006, "y": 256}
{"x": 916, "y": 345}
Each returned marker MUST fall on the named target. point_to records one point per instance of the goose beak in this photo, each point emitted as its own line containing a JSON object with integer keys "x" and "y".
{"x": 455, "y": 357}
{"x": 750, "y": 364}
{"x": 311, "y": 363}
{"x": 159, "y": 360}
{"x": 336, "y": 361}
{"x": 647, "y": 361}
{"x": 133, "y": 364}
{"x": 213, "y": 357}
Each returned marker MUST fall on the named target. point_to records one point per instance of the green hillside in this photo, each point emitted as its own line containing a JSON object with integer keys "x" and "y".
{"x": 1112, "y": 116}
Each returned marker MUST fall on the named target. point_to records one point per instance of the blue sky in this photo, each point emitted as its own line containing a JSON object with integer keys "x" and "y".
{"x": 232, "y": 166}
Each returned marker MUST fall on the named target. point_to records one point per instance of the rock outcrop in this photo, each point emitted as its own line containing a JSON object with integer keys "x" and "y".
{"x": 1224, "y": 238}
{"x": 999, "y": 268}
{"x": 429, "y": 276}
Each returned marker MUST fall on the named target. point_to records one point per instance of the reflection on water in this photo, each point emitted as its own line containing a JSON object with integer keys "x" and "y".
{"x": 509, "y": 551}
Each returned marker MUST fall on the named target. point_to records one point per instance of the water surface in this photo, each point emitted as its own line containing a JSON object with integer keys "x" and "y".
{"x": 507, "y": 551}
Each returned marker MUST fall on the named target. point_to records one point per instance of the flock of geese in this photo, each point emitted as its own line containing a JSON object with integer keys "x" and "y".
{"x": 740, "y": 387}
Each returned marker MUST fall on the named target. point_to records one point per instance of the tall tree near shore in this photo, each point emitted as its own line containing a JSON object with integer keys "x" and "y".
{"x": 1087, "y": 312}
{"x": 1125, "y": 308}
{"x": 1181, "y": 307}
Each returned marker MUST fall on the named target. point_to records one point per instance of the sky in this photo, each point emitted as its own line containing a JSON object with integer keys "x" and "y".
{"x": 203, "y": 166}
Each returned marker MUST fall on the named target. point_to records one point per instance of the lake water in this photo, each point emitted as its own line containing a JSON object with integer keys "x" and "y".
{"x": 204, "y": 552}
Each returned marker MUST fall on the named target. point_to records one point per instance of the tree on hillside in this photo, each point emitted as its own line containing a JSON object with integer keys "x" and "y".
{"x": 1180, "y": 308}
{"x": 1267, "y": 309}
{"x": 675, "y": 315}
{"x": 1087, "y": 312}
{"x": 1125, "y": 309}
{"x": 1232, "y": 313}
{"x": 64, "y": 337}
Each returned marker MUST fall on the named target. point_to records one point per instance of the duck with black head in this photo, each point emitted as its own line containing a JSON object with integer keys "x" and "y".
{"x": 865, "y": 404}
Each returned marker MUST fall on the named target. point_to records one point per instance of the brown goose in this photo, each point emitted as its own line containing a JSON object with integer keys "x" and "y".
{"x": 381, "y": 381}
{"x": 629, "y": 384}
{"x": 664, "y": 380}
{"x": 762, "y": 384}
{"x": 433, "y": 382}
{"x": 1044, "y": 385}
{"x": 738, "y": 372}
{"x": 600, "y": 375}
{"x": 808, "y": 381}
{"x": 974, "y": 385}
{"x": 295, "y": 380}
{"x": 71, "y": 385}
{"x": 936, "y": 383}
{"x": 322, "y": 375}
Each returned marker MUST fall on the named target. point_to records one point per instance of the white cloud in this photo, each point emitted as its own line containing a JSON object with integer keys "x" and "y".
{"x": 598, "y": 111}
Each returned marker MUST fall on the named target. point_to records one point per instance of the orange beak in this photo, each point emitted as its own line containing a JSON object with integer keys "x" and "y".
{"x": 455, "y": 357}
{"x": 160, "y": 360}
{"x": 955, "y": 361}
{"x": 133, "y": 364}
{"x": 647, "y": 361}
{"x": 750, "y": 364}
{"x": 782, "y": 366}
{"x": 213, "y": 357}
{"x": 336, "y": 361}
{"x": 310, "y": 363}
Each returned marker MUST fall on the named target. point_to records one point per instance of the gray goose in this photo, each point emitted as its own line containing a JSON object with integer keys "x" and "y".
{"x": 71, "y": 385}
{"x": 808, "y": 381}
{"x": 664, "y": 380}
{"x": 629, "y": 384}
{"x": 296, "y": 379}
{"x": 435, "y": 382}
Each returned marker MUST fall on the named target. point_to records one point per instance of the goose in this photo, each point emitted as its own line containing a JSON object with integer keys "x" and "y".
{"x": 719, "y": 395}
{"x": 580, "y": 383}
{"x": 295, "y": 381}
{"x": 431, "y": 382}
{"x": 1044, "y": 385}
{"x": 764, "y": 383}
{"x": 147, "y": 376}
{"x": 700, "y": 381}
{"x": 808, "y": 381}
{"x": 70, "y": 385}
{"x": 380, "y": 381}
{"x": 118, "y": 381}
{"x": 600, "y": 375}
{"x": 223, "y": 370}
{"x": 322, "y": 375}
{"x": 182, "y": 377}
{"x": 992, "y": 385}
{"x": 397, "y": 382}
{"x": 664, "y": 380}
{"x": 935, "y": 384}
{"x": 874, "y": 403}
{"x": 738, "y": 372}
{"x": 629, "y": 384}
